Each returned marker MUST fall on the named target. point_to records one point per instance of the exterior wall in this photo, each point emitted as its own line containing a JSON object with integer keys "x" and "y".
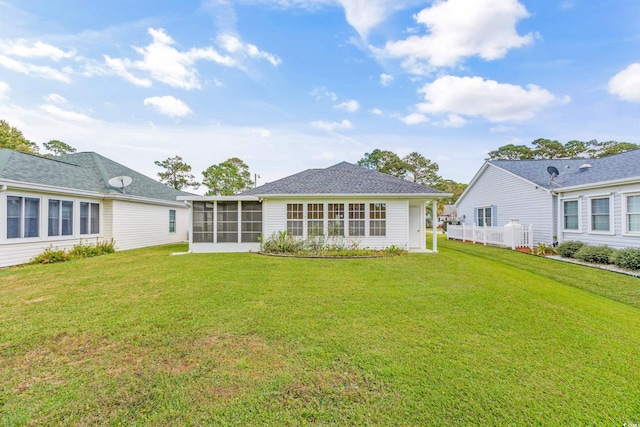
{"x": 138, "y": 225}
{"x": 514, "y": 198}
{"x": 131, "y": 224}
{"x": 21, "y": 250}
{"x": 274, "y": 214}
{"x": 617, "y": 237}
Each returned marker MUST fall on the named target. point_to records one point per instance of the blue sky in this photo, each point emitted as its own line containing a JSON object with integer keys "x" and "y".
{"x": 293, "y": 84}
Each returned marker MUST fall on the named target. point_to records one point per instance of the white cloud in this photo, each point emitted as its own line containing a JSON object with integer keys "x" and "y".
{"x": 262, "y": 133}
{"x": 454, "y": 121}
{"x": 385, "y": 79}
{"x": 459, "y": 29}
{"x": 169, "y": 106}
{"x": 166, "y": 64}
{"x": 376, "y": 112}
{"x": 626, "y": 84}
{"x": 331, "y": 126}
{"x": 4, "y": 89}
{"x": 322, "y": 92}
{"x": 65, "y": 114}
{"x": 474, "y": 96}
{"x": 364, "y": 15}
{"x": 351, "y": 106}
{"x": 55, "y": 98}
{"x": 414, "y": 119}
{"x": 32, "y": 70}
{"x": 501, "y": 129}
{"x": 234, "y": 45}
{"x": 25, "y": 49}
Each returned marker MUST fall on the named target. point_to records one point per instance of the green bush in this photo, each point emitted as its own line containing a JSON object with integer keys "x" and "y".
{"x": 595, "y": 254}
{"x": 626, "y": 258}
{"x": 569, "y": 248}
{"x": 50, "y": 255}
{"x": 81, "y": 250}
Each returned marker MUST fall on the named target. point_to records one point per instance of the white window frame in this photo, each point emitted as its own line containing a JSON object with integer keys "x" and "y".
{"x": 625, "y": 223}
{"x": 73, "y": 219}
{"x": 23, "y": 198}
{"x": 611, "y": 230}
{"x": 484, "y": 217}
{"x": 562, "y": 215}
{"x": 89, "y": 218}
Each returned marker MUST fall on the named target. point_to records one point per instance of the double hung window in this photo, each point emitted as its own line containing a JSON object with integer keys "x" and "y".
{"x": 377, "y": 219}
{"x": 23, "y": 217}
{"x": 60, "y": 220}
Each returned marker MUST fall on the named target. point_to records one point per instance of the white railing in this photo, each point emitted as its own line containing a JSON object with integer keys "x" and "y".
{"x": 512, "y": 235}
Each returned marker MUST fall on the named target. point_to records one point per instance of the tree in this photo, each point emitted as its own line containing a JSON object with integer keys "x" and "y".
{"x": 453, "y": 187}
{"x": 512, "y": 152}
{"x": 384, "y": 161}
{"x": 58, "y": 148}
{"x": 11, "y": 137}
{"x": 421, "y": 170}
{"x": 177, "y": 174}
{"x": 227, "y": 178}
{"x": 552, "y": 149}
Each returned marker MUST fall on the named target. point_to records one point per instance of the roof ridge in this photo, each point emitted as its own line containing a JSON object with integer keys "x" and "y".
{"x": 5, "y": 155}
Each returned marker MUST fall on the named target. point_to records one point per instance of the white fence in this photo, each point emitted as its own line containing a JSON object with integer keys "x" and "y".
{"x": 512, "y": 235}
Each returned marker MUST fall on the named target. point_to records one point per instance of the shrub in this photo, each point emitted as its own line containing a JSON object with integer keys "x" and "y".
{"x": 569, "y": 248}
{"x": 626, "y": 258}
{"x": 81, "y": 250}
{"x": 596, "y": 254}
{"x": 50, "y": 255}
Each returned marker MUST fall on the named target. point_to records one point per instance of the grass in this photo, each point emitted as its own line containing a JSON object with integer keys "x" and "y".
{"x": 472, "y": 335}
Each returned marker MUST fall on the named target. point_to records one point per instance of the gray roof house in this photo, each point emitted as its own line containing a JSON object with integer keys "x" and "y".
{"x": 596, "y": 201}
{"x": 60, "y": 201}
{"x": 343, "y": 201}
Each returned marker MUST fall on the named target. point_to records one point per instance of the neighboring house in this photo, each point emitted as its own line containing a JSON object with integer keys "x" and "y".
{"x": 60, "y": 201}
{"x": 343, "y": 201}
{"x": 449, "y": 213}
{"x": 596, "y": 201}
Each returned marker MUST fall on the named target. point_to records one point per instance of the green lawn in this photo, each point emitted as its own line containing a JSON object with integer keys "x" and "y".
{"x": 473, "y": 336}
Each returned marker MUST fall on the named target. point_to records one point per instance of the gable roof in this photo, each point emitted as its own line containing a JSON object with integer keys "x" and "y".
{"x": 604, "y": 169}
{"x": 340, "y": 179}
{"x": 86, "y": 171}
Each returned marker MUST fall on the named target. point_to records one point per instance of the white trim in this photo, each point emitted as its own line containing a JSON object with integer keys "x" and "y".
{"x": 562, "y": 216}
{"x": 623, "y": 206}
{"x": 589, "y": 199}
{"x": 593, "y": 185}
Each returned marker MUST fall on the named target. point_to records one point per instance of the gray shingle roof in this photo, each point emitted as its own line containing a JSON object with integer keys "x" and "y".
{"x": 611, "y": 168}
{"x": 80, "y": 171}
{"x": 343, "y": 178}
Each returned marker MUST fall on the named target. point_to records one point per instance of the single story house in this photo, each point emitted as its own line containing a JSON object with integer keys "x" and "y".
{"x": 61, "y": 201}
{"x": 596, "y": 201}
{"x": 343, "y": 201}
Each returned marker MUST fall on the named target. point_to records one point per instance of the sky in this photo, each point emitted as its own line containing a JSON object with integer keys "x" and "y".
{"x": 288, "y": 85}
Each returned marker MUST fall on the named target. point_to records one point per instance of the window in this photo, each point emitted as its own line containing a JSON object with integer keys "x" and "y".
{"x": 202, "y": 222}
{"x": 315, "y": 216}
{"x": 356, "y": 219}
{"x": 600, "y": 219}
{"x": 295, "y": 219}
{"x": 571, "y": 216}
{"x": 60, "y": 218}
{"x": 377, "y": 219}
{"x": 227, "y": 222}
{"x": 633, "y": 214}
{"x": 23, "y": 217}
{"x": 251, "y": 222}
{"x": 172, "y": 220}
{"x": 484, "y": 217}
{"x": 89, "y": 218}
{"x": 336, "y": 219}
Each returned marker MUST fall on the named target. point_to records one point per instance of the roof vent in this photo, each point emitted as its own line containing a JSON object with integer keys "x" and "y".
{"x": 585, "y": 166}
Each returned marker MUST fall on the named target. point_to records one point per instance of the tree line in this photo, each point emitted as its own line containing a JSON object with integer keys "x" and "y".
{"x": 11, "y": 137}
{"x": 543, "y": 148}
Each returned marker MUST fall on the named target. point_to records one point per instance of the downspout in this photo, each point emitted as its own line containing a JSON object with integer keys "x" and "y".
{"x": 558, "y": 217}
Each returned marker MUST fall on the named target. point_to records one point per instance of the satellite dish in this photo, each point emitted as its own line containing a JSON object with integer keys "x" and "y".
{"x": 120, "y": 182}
{"x": 553, "y": 171}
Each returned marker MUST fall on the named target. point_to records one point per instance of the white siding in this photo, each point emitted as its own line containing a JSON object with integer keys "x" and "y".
{"x": 138, "y": 225}
{"x": 514, "y": 198}
{"x": 132, "y": 225}
{"x": 617, "y": 238}
{"x": 274, "y": 214}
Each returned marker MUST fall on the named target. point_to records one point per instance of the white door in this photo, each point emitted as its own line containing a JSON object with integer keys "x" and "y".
{"x": 415, "y": 227}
